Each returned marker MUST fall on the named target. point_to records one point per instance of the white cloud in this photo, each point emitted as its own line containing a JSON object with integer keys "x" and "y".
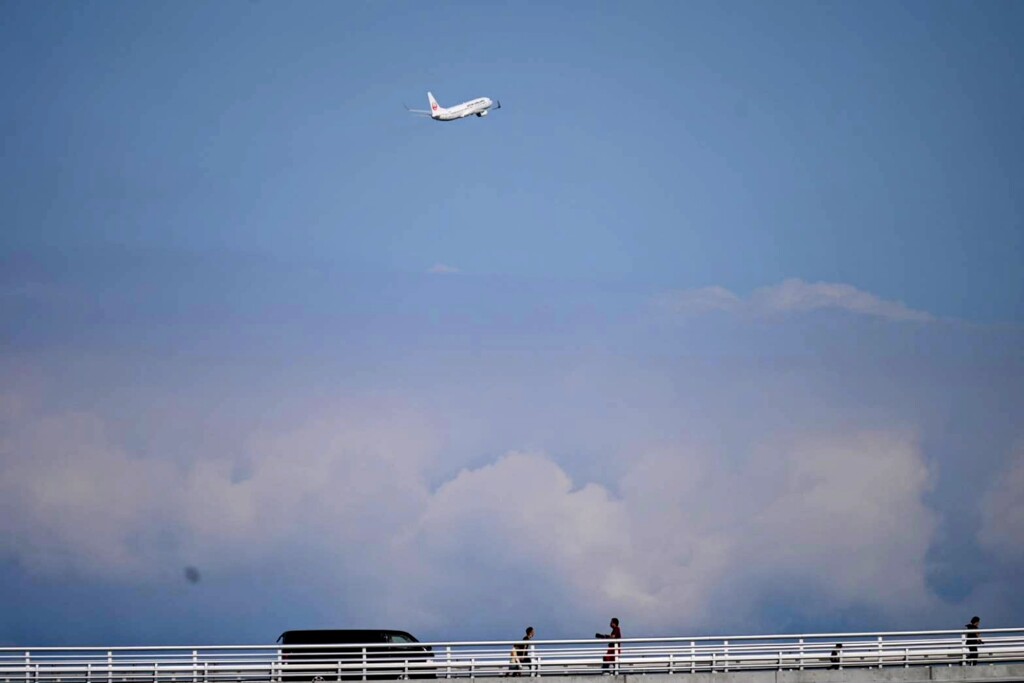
{"x": 443, "y": 269}
{"x": 685, "y": 526}
{"x": 524, "y": 510}
{"x": 849, "y": 510}
{"x": 792, "y": 296}
{"x": 1002, "y": 512}
{"x": 684, "y": 523}
{"x": 797, "y": 296}
{"x": 340, "y": 463}
{"x": 72, "y": 500}
{"x": 845, "y": 513}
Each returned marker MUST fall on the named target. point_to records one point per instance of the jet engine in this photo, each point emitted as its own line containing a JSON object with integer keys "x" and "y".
{"x": 482, "y": 113}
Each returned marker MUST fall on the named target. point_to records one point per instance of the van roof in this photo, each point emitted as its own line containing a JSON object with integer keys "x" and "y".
{"x": 337, "y": 636}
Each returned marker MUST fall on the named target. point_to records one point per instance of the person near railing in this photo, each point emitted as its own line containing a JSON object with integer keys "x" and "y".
{"x": 612, "y": 655}
{"x": 973, "y": 641}
{"x": 836, "y": 656}
{"x": 521, "y": 656}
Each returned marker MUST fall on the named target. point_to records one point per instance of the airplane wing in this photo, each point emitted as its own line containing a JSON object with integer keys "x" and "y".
{"x": 422, "y": 112}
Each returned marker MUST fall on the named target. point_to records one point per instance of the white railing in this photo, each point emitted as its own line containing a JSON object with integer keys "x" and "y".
{"x": 303, "y": 663}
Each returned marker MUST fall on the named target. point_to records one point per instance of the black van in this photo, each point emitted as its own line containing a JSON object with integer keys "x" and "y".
{"x": 352, "y": 654}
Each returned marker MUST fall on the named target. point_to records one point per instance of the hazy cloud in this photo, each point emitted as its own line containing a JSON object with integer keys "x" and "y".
{"x": 442, "y": 269}
{"x": 791, "y": 296}
{"x": 702, "y": 300}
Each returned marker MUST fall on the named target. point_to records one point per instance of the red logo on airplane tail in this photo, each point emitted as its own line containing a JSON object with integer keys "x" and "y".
{"x": 434, "y": 106}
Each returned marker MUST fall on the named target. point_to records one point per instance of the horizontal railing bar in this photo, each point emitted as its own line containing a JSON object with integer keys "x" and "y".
{"x": 472, "y": 643}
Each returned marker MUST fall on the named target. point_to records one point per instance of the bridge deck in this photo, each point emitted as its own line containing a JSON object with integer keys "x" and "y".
{"x": 902, "y": 657}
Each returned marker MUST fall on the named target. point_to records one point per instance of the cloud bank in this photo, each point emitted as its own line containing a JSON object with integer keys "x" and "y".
{"x": 849, "y": 507}
{"x": 461, "y": 470}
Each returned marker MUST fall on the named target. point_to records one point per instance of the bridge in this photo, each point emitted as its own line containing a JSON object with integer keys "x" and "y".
{"x": 888, "y": 657}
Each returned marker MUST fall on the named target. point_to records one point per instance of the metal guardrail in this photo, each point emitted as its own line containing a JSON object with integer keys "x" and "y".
{"x": 303, "y": 663}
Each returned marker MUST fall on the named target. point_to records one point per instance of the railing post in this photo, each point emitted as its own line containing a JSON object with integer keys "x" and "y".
{"x": 195, "y": 666}
{"x": 963, "y": 649}
{"x": 906, "y": 658}
{"x": 800, "y": 656}
{"x": 364, "y": 666}
{"x": 725, "y": 656}
{"x": 448, "y": 661}
{"x": 693, "y": 656}
{"x": 110, "y": 666}
{"x": 880, "y": 645}
{"x": 671, "y": 662}
{"x": 28, "y": 665}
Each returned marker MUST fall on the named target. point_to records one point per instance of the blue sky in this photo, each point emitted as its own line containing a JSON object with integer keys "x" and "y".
{"x": 741, "y": 275}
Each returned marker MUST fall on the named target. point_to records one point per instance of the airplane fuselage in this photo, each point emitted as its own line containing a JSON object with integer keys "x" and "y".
{"x": 478, "y": 107}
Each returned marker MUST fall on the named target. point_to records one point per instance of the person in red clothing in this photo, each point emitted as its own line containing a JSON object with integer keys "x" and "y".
{"x": 614, "y": 648}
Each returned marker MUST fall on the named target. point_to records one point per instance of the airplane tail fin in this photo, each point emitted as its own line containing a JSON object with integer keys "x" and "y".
{"x": 435, "y": 108}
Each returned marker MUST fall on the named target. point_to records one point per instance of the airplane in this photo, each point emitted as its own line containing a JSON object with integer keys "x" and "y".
{"x": 479, "y": 106}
